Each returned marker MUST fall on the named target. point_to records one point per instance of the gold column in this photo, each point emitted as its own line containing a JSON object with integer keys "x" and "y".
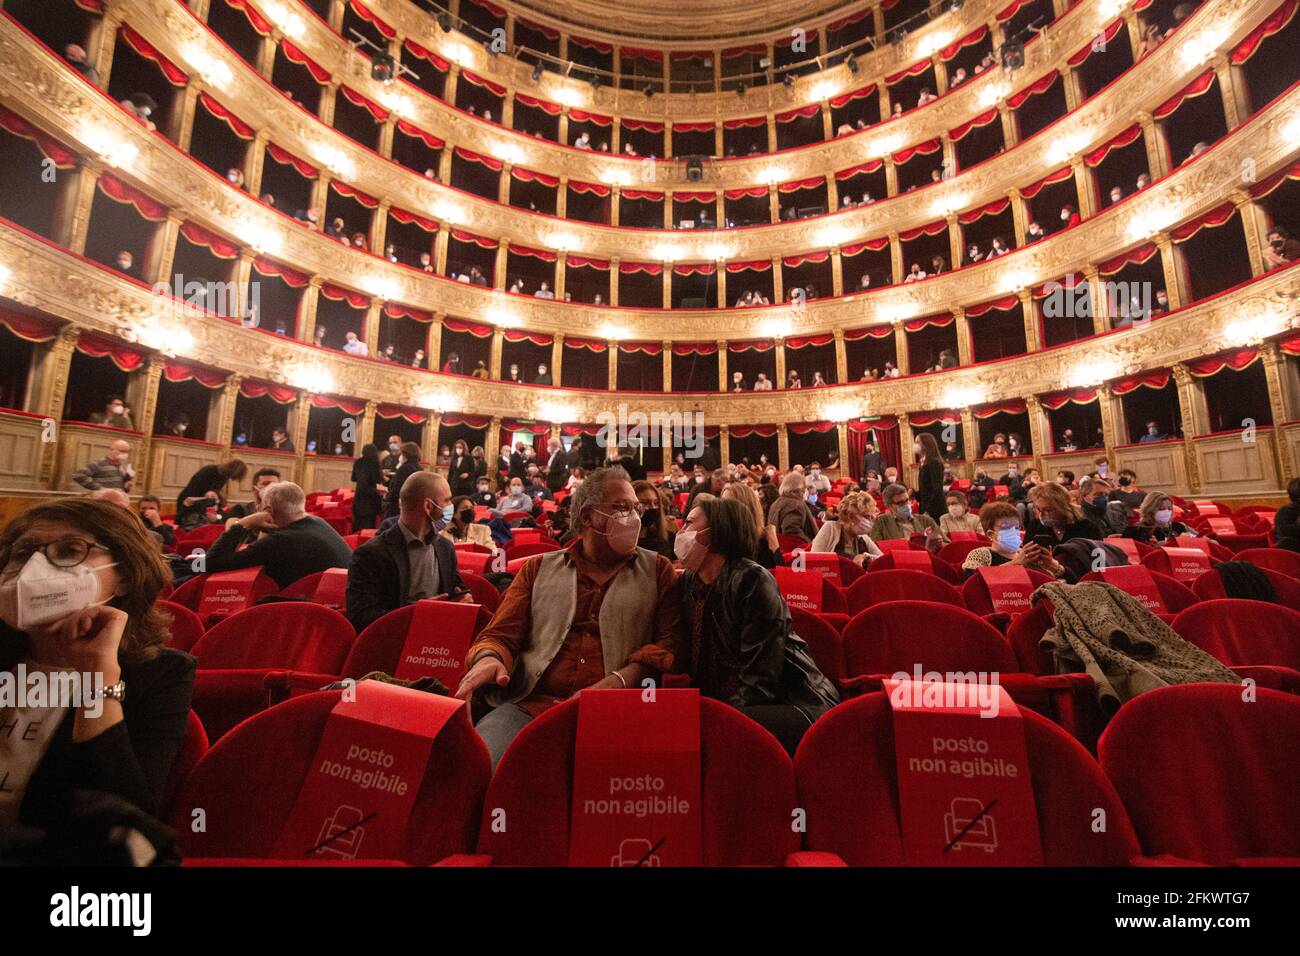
{"x": 900, "y": 349}
{"x": 242, "y": 276}
{"x": 429, "y": 436}
{"x": 265, "y": 58}
{"x": 440, "y": 245}
{"x": 494, "y": 355}
{"x": 365, "y": 431}
{"x": 503, "y": 184}
{"x": 1234, "y": 89}
{"x": 1033, "y": 327}
{"x": 940, "y": 74}
{"x": 1133, "y": 29}
{"x": 146, "y": 400}
{"x": 771, "y": 132}
{"x": 562, "y": 199}
{"x": 666, "y": 285}
{"x": 433, "y": 342}
{"x": 1039, "y": 437}
{"x": 449, "y": 89}
{"x": 970, "y": 439}
{"x": 891, "y": 174}
{"x": 773, "y": 203}
{"x": 325, "y": 111}
{"x": 965, "y": 351}
{"x": 780, "y": 363}
{"x": 307, "y": 310}
{"x": 99, "y": 48}
{"x": 832, "y": 192}
{"x": 1157, "y": 147}
{"x": 837, "y": 272}
{"x": 948, "y": 150}
{"x": 907, "y": 460}
{"x": 493, "y": 446}
{"x": 181, "y": 122}
{"x": 255, "y": 162}
{"x": 72, "y": 208}
{"x": 1019, "y": 218}
{"x": 320, "y": 194}
{"x": 613, "y": 279}
{"x": 955, "y": 241}
{"x": 221, "y": 423}
{"x": 724, "y": 444}
{"x": 1254, "y": 223}
{"x": 841, "y": 359}
{"x": 500, "y": 264}
{"x": 896, "y": 258}
{"x": 842, "y": 433}
{"x": 724, "y": 376}
{"x": 778, "y": 280}
{"x": 1112, "y": 420}
{"x": 782, "y": 448}
{"x": 386, "y": 131}
{"x": 613, "y": 365}
{"x": 557, "y": 357}
{"x": 298, "y": 428}
{"x": 828, "y": 130}
{"x": 444, "y": 164}
{"x": 1174, "y": 267}
{"x": 1073, "y": 91}
{"x": 1084, "y": 188}
{"x": 561, "y": 276}
{"x": 668, "y": 365}
{"x": 1096, "y": 299}
{"x": 160, "y": 255}
{"x": 721, "y": 266}
{"x": 1274, "y": 369}
{"x": 56, "y": 366}
{"x": 379, "y": 227}
{"x": 885, "y": 106}
{"x": 370, "y": 325}
{"x": 615, "y": 194}
{"x": 1010, "y": 130}
{"x": 1188, "y": 403}
{"x": 335, "y": 18}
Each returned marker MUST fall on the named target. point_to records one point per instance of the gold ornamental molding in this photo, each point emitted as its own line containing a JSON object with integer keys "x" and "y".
{"x": 43, "y": 90}
{"x": 57, "y": 283}
{"x": 187, "y": 41}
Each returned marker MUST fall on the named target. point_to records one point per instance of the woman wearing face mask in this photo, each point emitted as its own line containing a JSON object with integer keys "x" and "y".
{"x": 957, "y": 518}
{"x": 463, "y": 527}
{"x": 460, "y": 471}
{"x": 999, "y": 447}
{"x": 929, "y": 482}
{"x": 1157, "y": 524}
{"x": 483, "y": 494}
{"x": 742, "y": 647}
{"x": 368, "y": 500}
{"x": 1000, "y": 523}
{"x": 848, "y": 534}
{"x": 768, "y": 552}
{"x": 408, "y": 463}
{"x": 657, "y": 527}
{"x": 1057, "y": 517}
{"x": 78, "y": 580}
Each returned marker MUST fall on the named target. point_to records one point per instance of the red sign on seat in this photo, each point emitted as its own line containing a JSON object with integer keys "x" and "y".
{"x": 227, "y": 592}
{"x": 437, "y": 641}
{"x": 1136, "y": 580}
{"x": 821, "y": 562}
{"x": 1187, "y": 564}
{"x": 1009, "y": 588}
{"x": 912, "y": 560}
{"x": 802, "y": 589}
{"x": 332, "y": 589}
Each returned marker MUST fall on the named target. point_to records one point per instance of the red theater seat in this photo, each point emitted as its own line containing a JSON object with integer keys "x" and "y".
{"x": 850, "y": 571}
{"x": 1207, "y": 776}
{"x": 1209, "y": 586}
{"x": 379, "y": 646}
{"x": 746, "y": 785}
{"x": 249, "y": 781}
{"x": 1175, "y": 595}
{"x": 941, "y": 569}
{"x": 1240, "y": 632}
{"x": 791, "y": 542}
{"x": 848, "y": 784}
{"x": 185, "y": 627}
{"x": 527, "y": 549}
{"x": 975, "y": 591}
{"x": 824, "y": 643}
{"x": 1275, "y": 559}
{"x": 900, "y": 585}
{"x": 897, "y": 635}
{"x": 193, "y": 747}
{"x": 955, "y": 552}
{"x": 483, "y": 590}
{"x": 235, "y": 657}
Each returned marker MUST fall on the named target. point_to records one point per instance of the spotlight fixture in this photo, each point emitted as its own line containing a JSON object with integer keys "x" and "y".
{"x": 649, "y": 91}
{"x": 740, "y": 89}
{"x": 490, "y": 47}
{"x": 382, "y": 67}
{"x": 444, "y": 21}
{"x": 1013, "y": 56}
{"x": 897, "y": 35}
{"x": 595, "y": 82}
{"x": 852, "y": 64}
{"x": 956, "y": 5}
{"x": 537, "y": 72}
{"x": 788, "y": 80}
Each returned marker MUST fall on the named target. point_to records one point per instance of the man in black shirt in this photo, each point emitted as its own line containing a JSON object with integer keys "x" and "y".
{"x": 262, "y": 478}
{"x": 295, "y": 544}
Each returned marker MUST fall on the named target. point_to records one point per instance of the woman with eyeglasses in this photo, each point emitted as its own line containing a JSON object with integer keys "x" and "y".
{"x": 78, "y": 580}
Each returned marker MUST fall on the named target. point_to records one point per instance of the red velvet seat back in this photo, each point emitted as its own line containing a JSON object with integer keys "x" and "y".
{"x": 975, "y": 591}
{"x": 824, "y": 643}
{"x": 1209, "y": 586}
{"x": 901, "y": 584}
{"x": 1207, "y": 776}
{"x": 833, "y": 599}
{"x": 193, "y": 747}
{"x": 185, "y": 627}
{"x": 1275, "y": 559}
{"x": 941, "y": 569}
{"x": 303, "y": 587}
{"x": 295, "y": 636}
{"x": 746, "y": 786}
{"x": 848, "y": 783}
{"x": 379, "y": 646}
{"x": 248, "y": 782}
{"x": 1243, "y": 632}
{"x": 897, "y": 635}
{"x": 527, "y": 549}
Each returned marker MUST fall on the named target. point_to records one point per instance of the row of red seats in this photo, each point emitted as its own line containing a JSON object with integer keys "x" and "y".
{"x": 1186, "y": 774}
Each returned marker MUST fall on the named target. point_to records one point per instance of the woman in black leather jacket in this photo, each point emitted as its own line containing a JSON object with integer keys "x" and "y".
{"x": 737, "y": 627}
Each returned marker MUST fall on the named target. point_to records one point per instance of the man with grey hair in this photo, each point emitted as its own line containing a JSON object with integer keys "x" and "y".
{"x": 410, "y": 560}
{"x": 116, "y": 495}
{"x": 897, "y": 522}
{"x": 294, "y": 544}
{"x": 601, "y": 612}
{"x": 790, "y": 512}
{"x": 111, "y": 471}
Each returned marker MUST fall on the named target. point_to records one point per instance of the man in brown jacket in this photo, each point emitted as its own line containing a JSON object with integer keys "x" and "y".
{"x": 790, "y": 512}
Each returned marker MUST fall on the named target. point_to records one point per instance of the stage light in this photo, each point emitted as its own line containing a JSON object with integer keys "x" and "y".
{"x": 537, "y": 72}
{"x": 852, "y": 64}
{"x": 444, "y": 21}
{"x": 383, "y": 68}
{"x": 788, "y": 80}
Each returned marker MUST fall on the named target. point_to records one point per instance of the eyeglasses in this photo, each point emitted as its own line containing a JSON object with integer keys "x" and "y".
{"x": 62, "y": 552}
{"x": 622, "y": 509}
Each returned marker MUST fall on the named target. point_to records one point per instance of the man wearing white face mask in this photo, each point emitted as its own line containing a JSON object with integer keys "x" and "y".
{"x": 78, "y": 581}
{"x": 600, "y": 613}
{"x": 516, "y": 498}
{"x": 111, "y": 471}
{"x": 818, "y": 483}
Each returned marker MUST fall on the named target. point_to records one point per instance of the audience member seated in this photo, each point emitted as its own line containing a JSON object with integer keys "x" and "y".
{"x": 206, "y": 489}
{"x": 657, "y": 526}
{"x": 1286, "y": 522}
{"x": 1153, "y": 433}
{"x": 600, "y": 612}
{"x": 1128, "y": 493}
{"x": 848, "y": 534}
{"x": 1156, "y": 523}
{"x": 111, "y": 471}
{"x": 739, "y": 641}
{"x": 768, "y": 550}
{"x": 411, "y": 559}
{"x": 114, "y": 415}
{"x": 150, "y": 511}
{"x": 516, "y": 499}
{"x": 1057, "y": 518}
{"x": 790, "y": 513}
{"x": 112, "y": 629}
{"x": 1281, "y": 249}
{"x": 1096, "y": 504}
{"x": 958, "y": 517}
{"x": 262, "y": 478}
{"x": 463, "y": 527}
{"x": 898, "y": 522}
{"x": 1000, "y": 523}
{"x": 292, "y": 543}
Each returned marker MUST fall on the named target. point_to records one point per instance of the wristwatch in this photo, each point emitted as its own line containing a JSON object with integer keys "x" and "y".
{"x": 116, "y": 691}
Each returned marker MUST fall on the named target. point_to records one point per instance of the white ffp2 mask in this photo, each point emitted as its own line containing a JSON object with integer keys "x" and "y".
{"x": 42, "y": 592}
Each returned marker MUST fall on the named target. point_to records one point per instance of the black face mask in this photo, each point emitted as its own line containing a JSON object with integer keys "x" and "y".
{"x": 1125, "y": 482}
{"x": 466, "y": 516}
{"x": 649, "y": 518}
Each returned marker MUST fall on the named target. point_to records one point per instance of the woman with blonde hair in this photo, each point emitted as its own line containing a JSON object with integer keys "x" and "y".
{"x": 768, "y": 552}
{"x": 657, "y": 526}
{"x": 1057, "y": 517}
{"x": 1157, "y": 523}
{"x": 848, "y": 533}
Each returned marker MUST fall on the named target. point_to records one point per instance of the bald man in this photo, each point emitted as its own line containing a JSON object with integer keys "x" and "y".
{"x": 410, "y": 561}
{"x": 111, "y": 471}
{"x": 116, "y": 495}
